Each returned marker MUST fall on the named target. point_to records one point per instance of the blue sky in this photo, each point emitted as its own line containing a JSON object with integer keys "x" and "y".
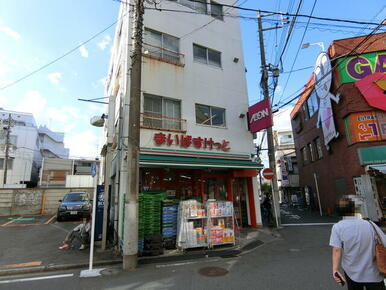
{"x": 35, "y": 32}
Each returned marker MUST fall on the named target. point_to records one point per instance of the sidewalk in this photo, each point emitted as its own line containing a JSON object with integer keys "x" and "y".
{"x": 295, "y": 215}
{"x": 27, "y": 249}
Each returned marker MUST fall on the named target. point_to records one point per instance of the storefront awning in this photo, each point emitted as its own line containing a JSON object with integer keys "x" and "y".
{"x": 152, "y": 160}
{"x": 379, "y": 167}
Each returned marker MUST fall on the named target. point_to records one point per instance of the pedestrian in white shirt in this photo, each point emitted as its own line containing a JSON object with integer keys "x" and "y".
{"x": 353, "y": 248}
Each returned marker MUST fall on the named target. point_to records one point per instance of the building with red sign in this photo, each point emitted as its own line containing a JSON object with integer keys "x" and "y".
{"x": 339, "y": 126}
{"x": 194, "y": 139}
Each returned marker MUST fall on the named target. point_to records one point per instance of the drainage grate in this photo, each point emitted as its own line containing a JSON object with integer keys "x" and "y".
{"x": 213, "y": 271}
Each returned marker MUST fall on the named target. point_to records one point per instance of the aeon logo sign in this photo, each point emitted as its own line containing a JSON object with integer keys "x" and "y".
{"x": 260, "y": 116}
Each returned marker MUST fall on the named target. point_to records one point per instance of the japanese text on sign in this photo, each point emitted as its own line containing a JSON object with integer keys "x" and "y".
{"x": 185, "y": 141}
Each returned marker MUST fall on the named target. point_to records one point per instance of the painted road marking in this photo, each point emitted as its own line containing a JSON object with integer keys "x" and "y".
{"x": 28, "y": 264}
{"x": 308, "y": 224}
{"x": 11, "y": 221}
{"x": 22, "y": 219}
{"x": 36, "y": 278}
{"x": 50, "y": 220}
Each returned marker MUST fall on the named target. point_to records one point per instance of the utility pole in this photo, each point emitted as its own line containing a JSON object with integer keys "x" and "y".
{"x": 130, "y": 231}
{"x": 271, "y": 146}
{"x": 7, "y": 150}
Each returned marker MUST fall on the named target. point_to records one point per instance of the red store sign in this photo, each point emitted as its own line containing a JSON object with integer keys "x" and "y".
{"x": 260, "y": 116}
{"x": 185, "y": 141}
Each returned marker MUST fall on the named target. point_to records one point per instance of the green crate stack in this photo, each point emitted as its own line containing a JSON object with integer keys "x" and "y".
{"x": 149, "y": 215}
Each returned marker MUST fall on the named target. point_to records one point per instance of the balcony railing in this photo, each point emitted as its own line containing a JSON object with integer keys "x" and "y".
{"x": 163, "y": 54}
{"x": 159, "y": 122}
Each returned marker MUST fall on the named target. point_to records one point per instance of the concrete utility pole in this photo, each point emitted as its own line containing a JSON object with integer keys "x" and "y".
{"x": 130, "y": 231}
{"x": 271, "y": 146}
{"x": 7, "y": 150}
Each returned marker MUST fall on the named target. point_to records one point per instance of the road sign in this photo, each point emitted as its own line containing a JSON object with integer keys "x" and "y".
{"x": 267, "y": 173}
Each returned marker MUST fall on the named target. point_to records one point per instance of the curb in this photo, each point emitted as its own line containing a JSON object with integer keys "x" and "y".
{"x": 224, "y": 253}
{"x": 51, "y": 268}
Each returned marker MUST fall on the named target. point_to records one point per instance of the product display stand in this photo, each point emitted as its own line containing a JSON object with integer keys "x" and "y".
{"x": 220, "y": 223}
{"x": 192, "y": 225}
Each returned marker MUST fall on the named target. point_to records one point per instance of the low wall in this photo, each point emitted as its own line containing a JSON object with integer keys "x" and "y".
{"x": 33, "y": 200}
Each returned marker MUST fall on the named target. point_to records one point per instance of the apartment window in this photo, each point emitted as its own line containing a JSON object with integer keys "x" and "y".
{"x": 286, "y": 139}
{"x": 207, "y": 56}
{"x": 161, "y": 112}
{"x": 305, "y": 112}
{"x": 312, "y": 104}
{"x": 198, "y": 5}
{"x": 304, "y": 154}
{"x": 161, "y": 46}
{"x": 207, "y": 115}
{"x": 216, "y": 10}
{"x": 9, "y": 163}
{"x": 297, "y": 123}
{"x": 318, "y": 146}
{"x": 311, "y": 150}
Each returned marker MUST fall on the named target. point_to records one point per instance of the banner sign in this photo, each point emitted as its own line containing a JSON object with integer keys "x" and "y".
{"x": 323, "y": 77}
{"x": 260, "y": 116}
{"x": 186, "y": 141}
{"x": 355, "y": 68}
{"x": 366, "y": 127}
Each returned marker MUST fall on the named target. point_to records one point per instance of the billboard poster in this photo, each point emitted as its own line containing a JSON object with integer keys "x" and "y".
{"x": 260, "y": 116}
{"x": 366, "y": 127}
{"x": 354, "y": 68}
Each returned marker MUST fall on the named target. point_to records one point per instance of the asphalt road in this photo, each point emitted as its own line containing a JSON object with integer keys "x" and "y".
{"x": 298, "y": 259}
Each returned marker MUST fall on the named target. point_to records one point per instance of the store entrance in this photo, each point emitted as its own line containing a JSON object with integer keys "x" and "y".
{"x": 239, "y": 187}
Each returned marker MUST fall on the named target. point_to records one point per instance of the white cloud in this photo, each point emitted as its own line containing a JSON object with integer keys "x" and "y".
{"x": 83, "y": 144}
{"x": 33, "y": 103}
{"x": 104, "y": 42}
{"x": 3, "y": 102}
{"x": 4, "y": 69}
{"x": 83, "y": 51}
{"x": 10, "y": 32}
{"x": 55, "y": 77}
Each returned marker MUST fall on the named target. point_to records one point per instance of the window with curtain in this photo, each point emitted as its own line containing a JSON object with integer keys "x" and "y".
{"x": 206, "y": 55}
{"x": 161, "y": 46}
{"x": 162, "y": 113}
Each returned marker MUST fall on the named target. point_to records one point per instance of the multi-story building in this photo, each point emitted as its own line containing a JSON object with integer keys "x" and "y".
{"x": 194, "y": 140}
{"x": 340, "y": 133}
{"x": 26, "y": 146}
{"x": 52, "y": 143}
{"x": 287, "y": 168}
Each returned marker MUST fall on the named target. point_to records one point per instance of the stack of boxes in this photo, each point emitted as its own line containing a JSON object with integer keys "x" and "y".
{"x": 149, "y": 227}
{"x": 169, "y": 223}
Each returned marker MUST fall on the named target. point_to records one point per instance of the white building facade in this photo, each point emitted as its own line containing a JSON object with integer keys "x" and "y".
{"x": 194, "y": 140}
{"x": 24, "y": 149}
{"x": 287, "y": 168}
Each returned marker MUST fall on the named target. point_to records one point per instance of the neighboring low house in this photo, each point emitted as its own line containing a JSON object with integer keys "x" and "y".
{"x": 57, "y": 172}
{"x": 286, "y": 167}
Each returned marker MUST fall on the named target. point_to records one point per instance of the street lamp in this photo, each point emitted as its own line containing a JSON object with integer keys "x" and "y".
{"x": 321, "y": 44}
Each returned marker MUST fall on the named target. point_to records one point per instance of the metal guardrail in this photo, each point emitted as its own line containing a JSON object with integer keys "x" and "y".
{"x": 163, "y": 54}
{"x": 159, "y": 122}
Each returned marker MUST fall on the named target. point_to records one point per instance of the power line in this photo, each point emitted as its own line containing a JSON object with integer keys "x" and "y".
{"x": 263, "y": 11}
{"x": 289, "y": 34}
{"x": 338, "y": 62}
{"x": 297, "y": 52}
{"x": 58, "y": 58}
